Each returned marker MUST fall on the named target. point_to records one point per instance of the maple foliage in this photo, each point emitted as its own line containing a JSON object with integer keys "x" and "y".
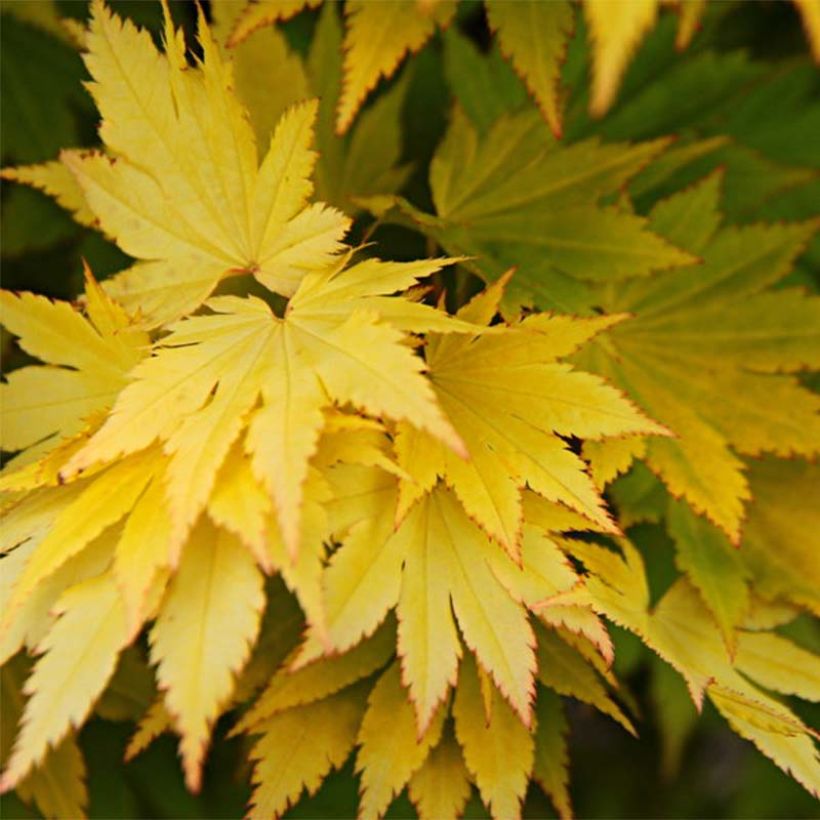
{"x": 382, "y": 508}
{"x": 532, "y": 34}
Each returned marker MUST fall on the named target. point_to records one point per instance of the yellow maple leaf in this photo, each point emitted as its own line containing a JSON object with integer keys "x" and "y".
{"x": 203, "y": 635}
{"x": 681, "y": 630}
{"x": 437, "y": 563}
{"x": 181, "y": 187}
{"x": 58, "y": 785}
{"x": 207, "y": 375}
{"x": 87, "y": 362}
{"x": 378, "y": 36}
{"x": 511, "y": 400}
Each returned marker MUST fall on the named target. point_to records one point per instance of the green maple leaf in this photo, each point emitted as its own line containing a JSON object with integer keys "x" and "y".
{"x": 518, "y": 198}
{"x": 710, "y": 351}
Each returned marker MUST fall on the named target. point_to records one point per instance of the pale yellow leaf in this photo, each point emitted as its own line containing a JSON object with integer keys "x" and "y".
{"x": 391, "y": 749}
{"x": 80, "y": 655}
{"x": 203, "y": 636}
{"x": 616, "y": 28}
{"x": 441, "y": 787}
{"x": 377, "y": 38}
{"x": 500, "y": 755}
{"x": 300, "y": 746}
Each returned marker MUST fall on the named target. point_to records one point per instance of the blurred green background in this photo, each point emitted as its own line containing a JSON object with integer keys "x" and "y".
{"x": 748, "y": 76}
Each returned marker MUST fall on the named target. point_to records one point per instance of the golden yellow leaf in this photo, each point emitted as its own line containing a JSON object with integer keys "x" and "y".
{"x": 300, "y": 746}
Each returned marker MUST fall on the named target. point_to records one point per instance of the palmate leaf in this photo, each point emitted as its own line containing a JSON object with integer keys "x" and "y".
{"x": 207, "y": 375}
{"x": 533, "y": 35}
{"x": 682, "y": 632}
{"x": 517, "y": 198}
{"x": 162, "y": 194}
{"x": 731, "y": 580}
{"x": 439, "y": 562}
{"x": 706, "y": 350}
{"x": 509, "y": 397}
{"x": 475, "y": 738}
{"x": 377, "y": 39}
{"x": 69, "y": 532}
{"x": 87, "y": 361}
{"x": 448, "y": 559}
{"x": 298, "y": 478}
{"x": 217, "y": 579}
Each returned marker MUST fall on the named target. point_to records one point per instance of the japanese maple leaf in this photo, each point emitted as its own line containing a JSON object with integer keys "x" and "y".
{"x": 710, "y": 349}
{"x": 775, "y": 561}
{"x": 242, "y": 368}
{"x": 395, "y": 750}
{"x": 680, "y": 629}
{"x": 517, "y": 198}
{"x": 181, "y": 187}
{"x": 511, "y": 401}
{"x": 379, "y": 35}
{"x": 99, "y": 552}
{"x": 87, "y": 361}
{"x": 436, "y": 558}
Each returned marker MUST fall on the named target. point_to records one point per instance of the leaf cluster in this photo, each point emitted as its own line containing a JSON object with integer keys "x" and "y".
{"x": 388, "y": 508}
